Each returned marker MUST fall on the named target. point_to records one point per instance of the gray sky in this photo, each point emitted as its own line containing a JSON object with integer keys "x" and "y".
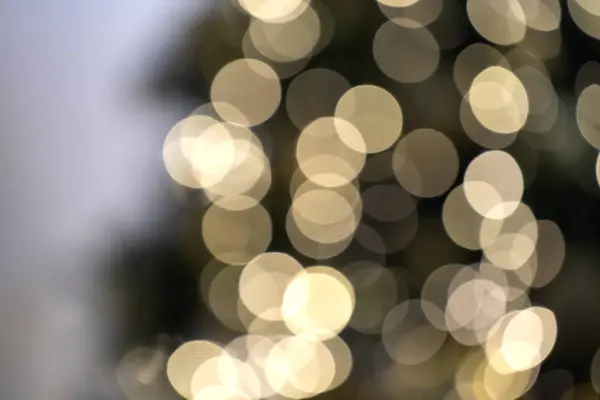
{"x": 79, "y": 152}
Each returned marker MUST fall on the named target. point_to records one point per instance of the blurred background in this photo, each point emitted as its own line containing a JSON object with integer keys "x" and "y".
{"x": 393, "y": 199}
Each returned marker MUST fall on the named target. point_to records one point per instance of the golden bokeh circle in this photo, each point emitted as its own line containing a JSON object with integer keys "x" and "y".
{"x": 318, "y": 303}
{"x": 251, "y": 86}
{"x": 375, "y": 113}
{"x": 235, "y": 237}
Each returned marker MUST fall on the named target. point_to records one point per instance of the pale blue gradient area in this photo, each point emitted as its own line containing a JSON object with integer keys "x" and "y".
{"x": 81, "y": 150}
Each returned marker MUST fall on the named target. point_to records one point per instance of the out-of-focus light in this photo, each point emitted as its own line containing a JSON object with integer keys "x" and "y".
{"x": 184, "y": 362}
{"x": 263, "y": 282}
{"x": 586, "y": 15}
{"x": 543, "y": 100}
{"x": 595, "y": 371}
{"x": 500, "y": 21}
{"x": 343, "y": 360}
{"x": 408, "y": 337}
{"x": 550, "y": 251}
{"x": 289, "y": 41}
{"x": 375, "y": 113}
{"x": 418, "y": 14}
{"x": 511, "y": 242}
{"x": 253, "y": 89}
{"x": 332, "y": 137}
{"x": 425, "y": 162}
{"x": 493, "y": 184}
{"x": 224, "y": 299}
{"x": 473, "y": 307}
{"x": 179, "y": 144}
{"x": 299, "y": 368}
{"x": 250, "y": 49}
{"x": 376, "y": 294}
{"x": 228, "y": 372}
{"x": 318, "y": 303}
{"x": 587, "y": 115}
{"x": 314, "y": 94}
{"x": 407, "y": 55}
{"x": 461, "y": 222}
{"x": 220, "y": 393}
{"x": 236, "y": 237}
{"x": 475, "y": 378}
{"x": 521, "y": 340}
{"x": 499, "y": 100}
{"x": 398, "y": 3}
{"x": 277, "y": 11}
{"x": 435, "y": 294}
{"x": 472, "y": 60}
{"x": 324, "y": 215}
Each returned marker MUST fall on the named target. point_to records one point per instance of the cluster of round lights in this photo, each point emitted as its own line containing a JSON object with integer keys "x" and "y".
{"x": 290, "y": 321}
{"x": 355, "y": 190}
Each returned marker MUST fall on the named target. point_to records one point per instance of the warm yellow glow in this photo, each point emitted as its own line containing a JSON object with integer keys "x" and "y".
{"x": 236, "y": 237}
{"x": 251, "y": 86}
{"x": 310, "y": 247}
{"x": 184, "y": 362}
{"x": 247, "y": 172}
{"x": 474, "y": 306}
{"x": 590, "y": 6}
{"x": 332, "y": 137}
{"x": 543, "y": 15}
{"x": 250, "y": 49}
{"x": 510, "y": 385}
{"x": 342, "y": 357}
{"x": 220, "y": 393}
{"x": 375, "y": 113}
{"x": 324, "y": 215}
{"x": 299, "y": 368}
{"x": 179, "y": 145}
{"x": 474, "y": 59}
{"x": 288, "y": 41}
{"x": 318, "y": 303}
{"x": 521, "y": 340}
{"x": 263, "y": 282}
{"x": 461, "y": 222}
{"x": 478, "y": 133}
{"x": 228, "y": 372}
{"x": 277, "y": 11}
{"x": 398, "y": 3}
{"x": 500, "y": 21}
{"x": 499, "y": 100}
{"x": 511, "y": 242}
{"x": 493, "y": 184}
